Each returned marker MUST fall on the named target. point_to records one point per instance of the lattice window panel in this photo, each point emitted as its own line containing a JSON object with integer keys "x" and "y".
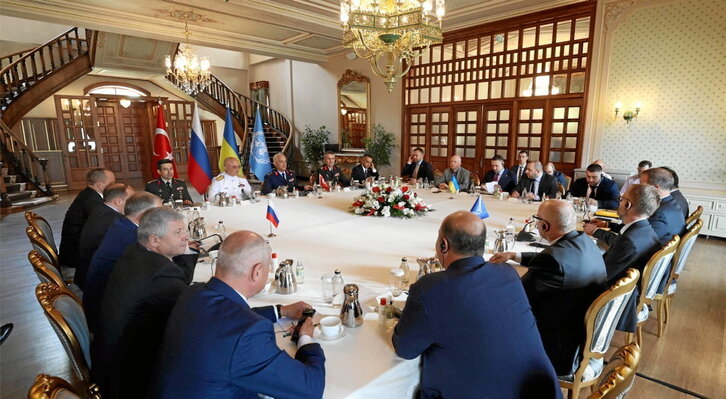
{"x": 417, "y": 130}
{"x": 79, "y": 133}
{"x": 466, "y": 132}
{"x": 564, "y": 134}
{"x": 439, "y": 134}
{"x": 496, "y": 132}
{"x": 530, "y": 131}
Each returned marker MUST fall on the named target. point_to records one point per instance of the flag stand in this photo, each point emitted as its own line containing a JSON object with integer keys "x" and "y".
{"x": 271, "y": 233}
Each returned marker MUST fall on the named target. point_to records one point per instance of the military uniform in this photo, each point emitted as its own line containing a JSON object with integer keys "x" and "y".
{"x": 158, "y": 187}
{"x": 275, "y": 179}
{"x": 334, "y": 175}
{"x": 232, "y": 185}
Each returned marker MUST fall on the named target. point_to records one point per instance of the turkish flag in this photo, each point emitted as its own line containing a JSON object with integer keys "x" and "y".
{"x": 162, "y": 144}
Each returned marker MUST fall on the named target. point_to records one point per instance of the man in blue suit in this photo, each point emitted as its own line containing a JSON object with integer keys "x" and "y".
{"x": 472, "y": 324}
{"x": 500, "y": 175}
{"x": 561, "y": 282}
{"x": 635, "y": 244}
{"x": 598, "y": 190}
{"x": 120, "y": 235}
{"x": 216, "y": 346}
{"x": 281, "y": 176}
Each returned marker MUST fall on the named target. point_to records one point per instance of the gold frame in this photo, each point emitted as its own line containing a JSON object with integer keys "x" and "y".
{"x": 48, "y": 386}
{"x": 693, "y": 217}
{"x": 36, "y": 238}
{"x": 42, "y": 266}
{"x": 618, "y": 376}
{"x": 32, "y": 218}
{"x": 348, "y": 77}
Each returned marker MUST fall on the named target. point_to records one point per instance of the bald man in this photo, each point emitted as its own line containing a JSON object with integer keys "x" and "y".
{"x": 216, "y": 345}
{"x": 561, "y": 282}
{"x": 471, "y": 319}
{"x": 230, "y": 182}
{"x": 462, "y": 175}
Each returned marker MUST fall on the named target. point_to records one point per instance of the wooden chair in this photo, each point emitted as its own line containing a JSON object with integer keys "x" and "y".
{"x": 568, "y": 183}
{"x": 600, "y": 320}
{"x": 679, "y": 262}
{"x": 66, "y": 316}
{"x": 50, "y": 387}
{"x": 42, "y": 246}
{"x": 653, "y": 273}
{"x": 48, "y": 274}
{"x": 42, "y": 227}
{"x": 694, "y": 216}
{"x": 619, "y": 375}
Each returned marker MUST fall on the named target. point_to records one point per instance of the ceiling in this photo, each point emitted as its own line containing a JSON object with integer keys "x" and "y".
{"x": 307, "y": 30}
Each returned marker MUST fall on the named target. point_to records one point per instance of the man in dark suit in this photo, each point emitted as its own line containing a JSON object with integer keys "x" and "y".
{"x": 472, "y": 325}
{"x": 677, "y": 194}
{"x": 598, "y": 190}
{"x": 215, "y": 345}
{"x": 365, "y": 169}
{"x": 463, "y": 176}
{"x": 500, "y": 175}
{"x": 139, "y": 296}
{"x": 549, "y": 168}
{"x": 519, "y": 169}
{"x": 281, "y": 176}
{"x": 81, "y": 207}
{"x": 330, "y": 171}
{"x": 537, "y": 183}
{"x": 166, "y": 186}
{"x": 114, "y": 200}
{"x": 634, "y": 246}
{"x": 561, "y": 282}
{"x": 416, "y": 168}
{"x": 119, "y": 235}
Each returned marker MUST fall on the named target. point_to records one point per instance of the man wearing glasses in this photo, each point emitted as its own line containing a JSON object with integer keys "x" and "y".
{"x": 561, "y": 282}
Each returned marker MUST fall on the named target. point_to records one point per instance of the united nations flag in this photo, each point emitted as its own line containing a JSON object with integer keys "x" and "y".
{"x": 259, "y": 156}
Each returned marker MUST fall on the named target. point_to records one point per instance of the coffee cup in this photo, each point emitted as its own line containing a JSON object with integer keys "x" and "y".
{"x": 330, "y": 326}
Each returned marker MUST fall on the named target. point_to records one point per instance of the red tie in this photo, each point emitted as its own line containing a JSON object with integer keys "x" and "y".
{"x": 496, "y": 177}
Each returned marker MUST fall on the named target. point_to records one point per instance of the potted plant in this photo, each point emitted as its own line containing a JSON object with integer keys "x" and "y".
{"x": 380, "y": 145}
{"x": 313, "y": 143}
{"x": 345, "y": 138}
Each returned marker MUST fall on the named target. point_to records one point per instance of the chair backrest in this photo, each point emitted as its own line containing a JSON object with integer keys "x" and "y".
{"x": 43, "y": 228}
{"x": 619, "y": 375}
{"x": 41, "y": 245}
{"x": 655, "y": 270}
{"x": 693, "y": 217}
{"x": 568, "y": 182}
{"x": 561, "y": 189}
{"x": 65, "y": 314}
{"x": 602, "y": 316}
{"x": 50, "y": 387}
{"x": 683, "y": 250}
{"x": 47, "y": 273}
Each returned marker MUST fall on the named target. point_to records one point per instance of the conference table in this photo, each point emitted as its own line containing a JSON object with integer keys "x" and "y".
{"x": 326, "y": 235}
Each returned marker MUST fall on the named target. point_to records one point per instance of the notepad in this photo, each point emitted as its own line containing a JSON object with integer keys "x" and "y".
{"x": 607, "y": 213}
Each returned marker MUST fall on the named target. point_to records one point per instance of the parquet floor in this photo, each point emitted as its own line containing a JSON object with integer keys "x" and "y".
{"x": 691, "y": 354}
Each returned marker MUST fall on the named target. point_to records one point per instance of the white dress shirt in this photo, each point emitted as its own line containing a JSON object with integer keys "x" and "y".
{"x": 302, "y": 340}
{"x": 232, "y": 185}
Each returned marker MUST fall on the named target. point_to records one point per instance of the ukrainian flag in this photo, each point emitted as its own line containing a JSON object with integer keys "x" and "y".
{"x": 454, "y": 185}
{"x": 229, "y": 143}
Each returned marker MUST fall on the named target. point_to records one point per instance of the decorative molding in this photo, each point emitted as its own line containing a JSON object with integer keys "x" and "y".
{"x": 262, "y": 84}
{"x": 614, "y": 11}
{"x": 352, "y": 76}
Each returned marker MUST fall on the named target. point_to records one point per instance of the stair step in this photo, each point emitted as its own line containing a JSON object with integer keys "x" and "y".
{"x": 10, "y": 179}
{"x": 21, "y": 196}
{"x": 15, "y": 187}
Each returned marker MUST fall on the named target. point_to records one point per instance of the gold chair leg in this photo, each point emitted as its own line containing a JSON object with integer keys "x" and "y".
{"x": 628, "y": 338}
{"x": 639, "y": 336}
{"x": 574, "y": 392}
{"x": 667, "y": 309}
{"x": 661, "y": 310}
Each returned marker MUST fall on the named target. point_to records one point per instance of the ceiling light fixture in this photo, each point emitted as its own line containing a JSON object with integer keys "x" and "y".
{"x": 191, "y": 72}
{"x": 391, "y": 34}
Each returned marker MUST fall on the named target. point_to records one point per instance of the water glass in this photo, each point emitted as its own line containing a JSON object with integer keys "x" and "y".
{"x": 327, "y": 288}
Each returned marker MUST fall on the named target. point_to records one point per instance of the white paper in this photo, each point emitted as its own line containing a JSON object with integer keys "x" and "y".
{"x": 490, "y": 186}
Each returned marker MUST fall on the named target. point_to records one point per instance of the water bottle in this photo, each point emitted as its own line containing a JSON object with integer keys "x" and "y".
{"x": 338, "y": 284}
{"x": 221, "y": 230}
{"x": 524, "y": 195}
{"x": 406, "y": 271}
{"x": 300, "y": 272}
{"x": 195, "y": 213}
{"x": 510, "y": 226}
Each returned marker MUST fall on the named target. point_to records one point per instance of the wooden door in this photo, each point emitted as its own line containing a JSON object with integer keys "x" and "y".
{"x": 565, "y": 134}
{"x": 466, "y": 138}
{"x": 496, "y": 128}
{"x": 81, "y": 151}
{"x": 121, "y": 135}
{"x": 440, "y": 124}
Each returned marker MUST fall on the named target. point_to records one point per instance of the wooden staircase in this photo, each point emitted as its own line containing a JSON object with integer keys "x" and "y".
{"x": 26, "y": 79}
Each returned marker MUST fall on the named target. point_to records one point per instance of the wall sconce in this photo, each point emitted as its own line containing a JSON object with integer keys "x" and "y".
{"x": 627, "y": 115}
{"x": 125, "y": 102}
{"x": 343, "y": 111}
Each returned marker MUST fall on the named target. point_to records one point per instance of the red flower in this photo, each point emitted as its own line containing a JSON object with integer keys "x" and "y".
{"x": 404, "y": 189}
{"x": 400, "y": 208}
{"x": 415, "y": 194}
{"x": 419, "y": 207}
{"x": 371, "y": 212}
{"x": 381, "y": 199}
{"x": 389, "y": 189}
{"x": 357, "y": 203}
{"x": 376, "y": 189}
{"x": 405, "y": 197}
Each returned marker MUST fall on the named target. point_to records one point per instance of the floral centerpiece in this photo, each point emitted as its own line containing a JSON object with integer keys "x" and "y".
{"x": 385, "y": 200}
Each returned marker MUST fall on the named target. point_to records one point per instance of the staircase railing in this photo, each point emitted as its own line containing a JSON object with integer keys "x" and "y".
{"x": 274, "y": 119}
{"x": 18, "y": 156}
{"x": 37, "y": 64}
{"x": 8, "y": 59}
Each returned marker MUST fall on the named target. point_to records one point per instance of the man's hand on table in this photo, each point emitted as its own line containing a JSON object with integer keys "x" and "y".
{"x": 307, "y": 327}
{"x": 514, "y": 194}
{"x": 501, "y": 257}
{"x": 599, "y": 223}
{"x": 195, "y": 245}
{"x": 590, "y": 227}
{"x": 443, "y": 186}
{"x": 294, "y": 311}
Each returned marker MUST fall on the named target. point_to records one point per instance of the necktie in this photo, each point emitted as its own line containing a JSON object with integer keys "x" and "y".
{"x": 415, "y": 172}
{"x": 496, "y": 177}
{"x": 283, "y": 176}
{"x": 592, "y": 191}
{"x": 519, "y": 173}
{"x": 168, "y": 184}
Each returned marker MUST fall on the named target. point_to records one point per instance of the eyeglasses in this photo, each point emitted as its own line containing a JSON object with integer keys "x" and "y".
{"x": 538, "y": 218}
{"x": 624, "y": 198}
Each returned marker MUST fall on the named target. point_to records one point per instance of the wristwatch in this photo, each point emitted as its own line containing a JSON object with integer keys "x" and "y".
{"x": 278, "y": 307}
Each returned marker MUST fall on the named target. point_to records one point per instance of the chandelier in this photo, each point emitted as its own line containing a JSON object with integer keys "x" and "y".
{"x": 190, "y": 71}
{"x": 391, "y": 34}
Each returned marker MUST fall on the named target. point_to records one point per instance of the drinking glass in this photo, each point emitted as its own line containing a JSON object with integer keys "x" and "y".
{"x": 327, "y": 288}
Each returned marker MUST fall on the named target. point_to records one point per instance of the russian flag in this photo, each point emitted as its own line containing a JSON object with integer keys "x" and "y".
{"x": 198, "y": 169}
{"x": 271, "y": 215}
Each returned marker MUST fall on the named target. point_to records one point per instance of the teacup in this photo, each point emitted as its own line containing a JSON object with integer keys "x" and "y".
{"x": 330, "y": 326}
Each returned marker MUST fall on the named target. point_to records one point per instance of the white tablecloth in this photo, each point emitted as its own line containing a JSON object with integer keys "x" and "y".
{"x": 326, "y": 235}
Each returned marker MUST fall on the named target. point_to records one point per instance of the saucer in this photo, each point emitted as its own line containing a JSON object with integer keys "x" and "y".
{"x": 317, "y": 334}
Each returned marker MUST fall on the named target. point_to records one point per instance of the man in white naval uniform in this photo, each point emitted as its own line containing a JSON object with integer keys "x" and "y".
{"x": 230, "y": 182}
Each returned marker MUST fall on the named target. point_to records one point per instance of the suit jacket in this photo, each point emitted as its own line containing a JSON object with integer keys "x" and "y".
{"x": 667, "y": 220}
{"x": 425, "y": 171}
{"x": 139, "y": 296}
{"x": 633, "y": 248}
{"x": 475, "y": 332}
{"x": 547, "y": 186}
{"x": 560, "y": 178}
{"x": 514, "y": 170}
{"x": 463, "y": 176}
{"x": 215, "y": 346}
{"x": 274, "y": 179}
{"x": 73, "y": 221}
{"x": 334, "y": 174}
{"x": 681, "y": 201}
{"x": 91, "y": 236}
{"x": 506, "y": 180}
{"x": 358, "y": 173}
{"x": 158, "y": 187}
{"x": 606, "y": 194}
{"x": 561, "y": 282}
